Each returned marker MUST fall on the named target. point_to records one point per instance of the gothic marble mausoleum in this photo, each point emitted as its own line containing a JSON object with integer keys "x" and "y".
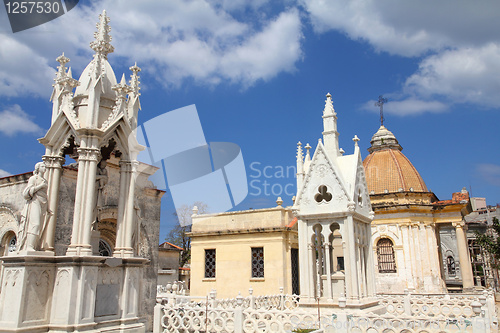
{"x": 80, "y": 240}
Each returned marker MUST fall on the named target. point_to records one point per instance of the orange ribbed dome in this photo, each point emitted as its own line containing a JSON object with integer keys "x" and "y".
{"x": 387, "y": 169}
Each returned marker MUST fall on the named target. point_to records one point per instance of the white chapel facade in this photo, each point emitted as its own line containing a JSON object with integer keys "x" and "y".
{"x": 334, "y": 217}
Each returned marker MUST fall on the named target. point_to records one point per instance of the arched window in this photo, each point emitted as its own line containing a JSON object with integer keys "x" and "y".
{"x": 12, "y": 244}
{"x": 385, "y": 256}
{"x": 450, "y": 264}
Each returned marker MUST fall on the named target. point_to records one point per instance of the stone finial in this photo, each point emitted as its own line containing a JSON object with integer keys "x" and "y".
{"x": 328, "y": 110}
{"x": 62, "y": 60}
{"x": 195, "y": 210}
{"x": 356, "y": 140}
{"x": 300, "y": 155}
{"x": 308, "y": 154}
{"x": 341, "y": 151}
{"x": 102, "y": 44}
{"x": 294, "y": 198}
{"x": 239, "y": 299}
{"x": 134, "y": 79}
{"x": 279, "y": 201}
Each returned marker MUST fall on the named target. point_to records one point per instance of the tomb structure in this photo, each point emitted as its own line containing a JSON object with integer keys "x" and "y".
{"x": 84, "y": 255}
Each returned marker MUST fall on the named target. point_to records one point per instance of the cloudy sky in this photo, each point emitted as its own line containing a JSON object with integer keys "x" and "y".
{"x": 258, "y": 72}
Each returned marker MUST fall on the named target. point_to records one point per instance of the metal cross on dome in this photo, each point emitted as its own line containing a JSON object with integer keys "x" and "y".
{"x": 380, "y": 103}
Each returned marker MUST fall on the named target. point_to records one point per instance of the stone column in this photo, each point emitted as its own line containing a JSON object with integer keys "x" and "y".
{"x": 362, "y": 259}
{"x": 405, "y": 231}
{"x": 328, "y": 271}
{"x": 54, "y": 170}
{"x": 85, "y": 197}
{"x": 370, "y": 265}
{"x": 126, "y": 216}
{"x": 311, "y": 269}
{"x": 130, "y": 218}
{"x": 351, "y": 267}
{"x": 434, "y": 255}
{"x": 303, "y": 260}
{"x": 463, "y": 256}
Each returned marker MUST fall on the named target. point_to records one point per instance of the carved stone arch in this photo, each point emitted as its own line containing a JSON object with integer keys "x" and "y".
{"x": 107, "y": 229}
{"x": 386, "y": 234}
{"x": 333, "y": 228}
{"x": 108, "y": 147}
{"x": 65, "y": 143}
{"x": 121, "y": 138}
{"x": 69, "y": 146}
{"x": 8, "y": 242}
{"x": 9, "y": 224}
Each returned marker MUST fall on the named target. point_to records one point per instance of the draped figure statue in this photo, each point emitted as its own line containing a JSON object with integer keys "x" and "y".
{"x": 35, "y": 211}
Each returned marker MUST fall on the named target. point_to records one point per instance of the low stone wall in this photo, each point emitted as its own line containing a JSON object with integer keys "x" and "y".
{"x": 281, "y": 313}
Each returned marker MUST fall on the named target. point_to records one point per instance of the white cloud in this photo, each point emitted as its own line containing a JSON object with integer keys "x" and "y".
{"x": 267, "y": 53}
{"x": 14, "y": 120}
{"x": 408, "y": 106}
{"x": 4, "y": 173}
{"x": 462, "y": 75}
{"x": 173, "y": 40}
{"x": 23, "y": 71}
{"x": 408, "y": 28}
{"x": 458, "y": 41}
{"x": 490, "y": 173}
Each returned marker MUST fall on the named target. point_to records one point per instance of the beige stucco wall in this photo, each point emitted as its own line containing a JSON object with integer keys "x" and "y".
{"x": 233, "y": 263}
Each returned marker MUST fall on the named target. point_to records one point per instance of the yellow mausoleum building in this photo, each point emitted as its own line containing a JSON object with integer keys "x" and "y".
{"x": 233, "y": 251}
{"x": 407, "y": 223}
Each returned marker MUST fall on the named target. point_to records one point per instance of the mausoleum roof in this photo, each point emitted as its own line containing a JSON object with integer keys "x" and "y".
{"x": 387, "y": 169}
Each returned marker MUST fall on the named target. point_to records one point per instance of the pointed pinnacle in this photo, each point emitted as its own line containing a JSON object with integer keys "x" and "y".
{"x": 102, "y": 45}
{"x": 122, "y": 81}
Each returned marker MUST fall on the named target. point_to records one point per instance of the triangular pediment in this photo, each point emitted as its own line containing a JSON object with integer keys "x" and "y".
{"x": 57, "y": 136}
{"x": 323, "y": 190}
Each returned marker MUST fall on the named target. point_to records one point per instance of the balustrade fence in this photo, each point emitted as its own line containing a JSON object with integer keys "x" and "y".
{"x": 406, "y": 313}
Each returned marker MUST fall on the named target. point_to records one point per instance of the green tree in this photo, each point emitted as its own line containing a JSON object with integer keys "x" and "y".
{"x": 178, "y": 235}
{"x": 490, "y": 242}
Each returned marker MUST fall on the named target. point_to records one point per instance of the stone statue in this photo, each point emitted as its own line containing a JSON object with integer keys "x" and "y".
{"x": 100, "y": 181}
{"x": 33, "y": 216}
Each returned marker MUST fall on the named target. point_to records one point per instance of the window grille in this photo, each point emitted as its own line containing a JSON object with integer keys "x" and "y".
{"x": 257, "y": 262}
{"x": 477, "y": 262}
{"x": 104, "y": 248}
{"x": 385, "y": 256}
{"x": 210, "y": 263}
{"x": 295, "y": 271}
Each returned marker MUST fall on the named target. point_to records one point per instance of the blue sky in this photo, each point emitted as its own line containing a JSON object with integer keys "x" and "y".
{"x": 258, "y": 72}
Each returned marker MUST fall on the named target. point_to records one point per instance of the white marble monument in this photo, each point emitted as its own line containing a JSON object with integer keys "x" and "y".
{"x": 334, "y": 215}
{"x": 80, "y": 291}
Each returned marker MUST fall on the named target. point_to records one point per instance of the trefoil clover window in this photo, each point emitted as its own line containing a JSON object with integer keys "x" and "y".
{"x": 323, "y": 194}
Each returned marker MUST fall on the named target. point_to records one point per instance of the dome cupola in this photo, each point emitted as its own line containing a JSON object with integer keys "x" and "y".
{"x": 387, "y": 169}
